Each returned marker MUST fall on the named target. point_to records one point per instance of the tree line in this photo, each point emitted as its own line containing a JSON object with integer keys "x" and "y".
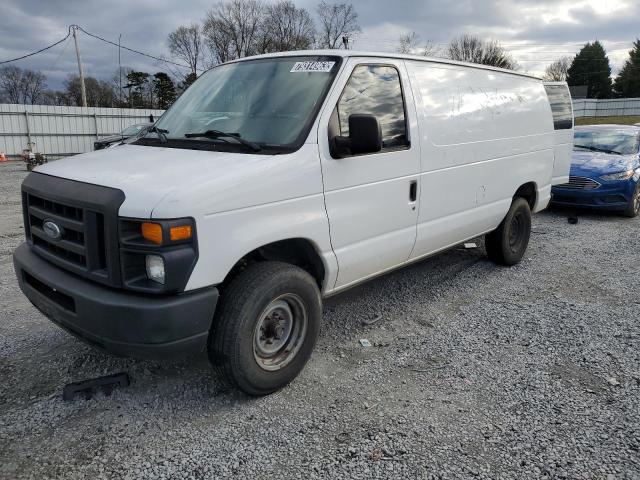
{"x": 591, "y": 68}
{"x": 234, "y": 29}
{"x": 127, "y": 88}
{"x": 239, "y": 28}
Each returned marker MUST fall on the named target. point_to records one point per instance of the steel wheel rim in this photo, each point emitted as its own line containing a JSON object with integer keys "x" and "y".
{"x": 636, "y": 200}
{"x": 280, "y": 332}
{"x": 515, "y": 232}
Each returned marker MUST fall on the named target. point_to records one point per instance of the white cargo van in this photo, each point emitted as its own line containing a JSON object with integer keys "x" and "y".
{"x": 273, "y": 182}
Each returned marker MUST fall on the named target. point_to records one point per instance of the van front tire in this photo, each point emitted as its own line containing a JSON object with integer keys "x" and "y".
{"x": 266, "y": 327}
{"x": 507, "y": 243}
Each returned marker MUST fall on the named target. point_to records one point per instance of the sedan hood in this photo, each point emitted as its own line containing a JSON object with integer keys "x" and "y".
{"x": 169, "y": 182}
{"x": 596, "y": 164}
{"x": 111, "y": 139}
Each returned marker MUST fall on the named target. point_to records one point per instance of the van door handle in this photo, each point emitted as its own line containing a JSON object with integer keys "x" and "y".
{"x": 413, "y": 191}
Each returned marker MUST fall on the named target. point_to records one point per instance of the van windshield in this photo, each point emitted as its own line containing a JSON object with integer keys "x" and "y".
{"x": 269, "y": 102}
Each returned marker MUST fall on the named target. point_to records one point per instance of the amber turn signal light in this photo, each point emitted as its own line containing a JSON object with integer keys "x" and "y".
{"x": 152, "y": 232}
{"x": 182, "y": 232}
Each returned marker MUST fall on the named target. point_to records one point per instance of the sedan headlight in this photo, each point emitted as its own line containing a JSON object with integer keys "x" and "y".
{"x": 626, "y": 175}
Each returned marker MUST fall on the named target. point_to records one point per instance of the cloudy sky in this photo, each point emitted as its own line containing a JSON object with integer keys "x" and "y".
{"x": 536, "y": 32}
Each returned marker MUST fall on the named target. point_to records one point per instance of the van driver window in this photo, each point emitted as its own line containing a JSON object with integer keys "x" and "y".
{"x": 375, "y": 90}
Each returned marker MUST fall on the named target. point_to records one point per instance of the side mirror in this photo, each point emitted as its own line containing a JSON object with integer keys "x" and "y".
{"x": 365, "y": 135}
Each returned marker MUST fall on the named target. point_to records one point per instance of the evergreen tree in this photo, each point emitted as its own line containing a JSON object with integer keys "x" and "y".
{"x": 188, "y": 80}
{"x": 138, "y": 84}
{"x": 591, "y": 67}
{"x": 164, "y": 90}
{"x": 627, "y": 83}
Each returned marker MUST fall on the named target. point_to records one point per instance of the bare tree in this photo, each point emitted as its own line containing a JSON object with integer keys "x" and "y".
{"x": 185, "y": 43}
{"x": 118, "y": 83}
{"x": 34, "y": 86}
{"x": 408, "y": 42}
{"x": 430, "y": 49}
{"x": 468, "y": 48}
{"x": 99, "y": 92}
{"x": 337, "y": 20}
{"x": 11, "y": 84}
{"x": 55, "y": 97}
{"x": 22, "y": 86}
{"x": 286, "y": 28}
{"x": 557, "y": 71}
{"x": 232, "y": 29}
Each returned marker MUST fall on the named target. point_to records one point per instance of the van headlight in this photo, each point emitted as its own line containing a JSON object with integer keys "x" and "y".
{"x": 157, "y": 255}
{"x": 626, "y": 175}
{"x": 155, "y": 268}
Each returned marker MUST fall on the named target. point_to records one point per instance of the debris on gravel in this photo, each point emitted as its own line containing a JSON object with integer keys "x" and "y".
{"x": 475, "y": 371}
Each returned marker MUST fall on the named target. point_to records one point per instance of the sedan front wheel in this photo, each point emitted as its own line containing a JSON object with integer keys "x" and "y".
{"x": 634, "y": 204}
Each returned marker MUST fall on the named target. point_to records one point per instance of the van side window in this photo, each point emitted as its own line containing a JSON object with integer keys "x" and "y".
{"x": 560, "y": 100}
{"x": 375, "y": 90}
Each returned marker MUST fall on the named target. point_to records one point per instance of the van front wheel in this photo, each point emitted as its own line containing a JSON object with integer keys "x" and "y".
{"x": 266, "y": 326}
{"x": 507, "y": 243}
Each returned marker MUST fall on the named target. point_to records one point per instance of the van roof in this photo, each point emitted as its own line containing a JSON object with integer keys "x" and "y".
{"x": 355, "y": 53}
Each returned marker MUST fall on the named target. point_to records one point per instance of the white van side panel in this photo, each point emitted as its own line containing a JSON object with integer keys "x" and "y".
{"x": 229, "y": 236}
{"x": 251, "y": 202}
{"x": 483, "y": 135}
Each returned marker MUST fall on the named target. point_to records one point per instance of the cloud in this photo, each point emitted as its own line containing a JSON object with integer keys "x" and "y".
{"x": 535, "y": 32}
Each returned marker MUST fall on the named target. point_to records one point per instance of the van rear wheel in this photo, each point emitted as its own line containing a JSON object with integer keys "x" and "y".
{"x": 266, "y": 326}
{"x": 507, "y": 243}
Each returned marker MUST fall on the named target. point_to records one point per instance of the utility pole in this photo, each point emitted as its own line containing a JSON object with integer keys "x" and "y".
{"x": 82, "y": 89}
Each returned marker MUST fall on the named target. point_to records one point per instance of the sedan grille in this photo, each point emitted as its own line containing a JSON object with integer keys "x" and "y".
{"x": 580, "y": 183}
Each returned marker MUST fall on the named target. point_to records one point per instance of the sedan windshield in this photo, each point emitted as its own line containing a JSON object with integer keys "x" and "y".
{"x": 267, "y": 103}
{"x": 607, "y": 141}
{"x": 134, "y": 129}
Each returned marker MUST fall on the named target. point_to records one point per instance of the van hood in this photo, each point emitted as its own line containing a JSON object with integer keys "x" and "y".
{"x": 164, "y": 182}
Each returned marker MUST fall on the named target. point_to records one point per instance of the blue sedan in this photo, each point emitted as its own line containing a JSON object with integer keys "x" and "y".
{"x": 605, "y": 169}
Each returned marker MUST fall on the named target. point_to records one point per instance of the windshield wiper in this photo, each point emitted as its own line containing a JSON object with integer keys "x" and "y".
{"x": 596, "y": 149}
{"x": 160, "y": 132}
{"x": 222, "y": 135}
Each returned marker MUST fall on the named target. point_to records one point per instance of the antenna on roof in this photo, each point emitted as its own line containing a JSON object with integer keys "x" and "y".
{"x": 345, "y": 42}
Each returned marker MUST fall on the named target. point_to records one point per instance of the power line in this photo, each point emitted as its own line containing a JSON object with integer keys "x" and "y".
{"x": 131, "y": 49}
{"x": 39, "y": 51}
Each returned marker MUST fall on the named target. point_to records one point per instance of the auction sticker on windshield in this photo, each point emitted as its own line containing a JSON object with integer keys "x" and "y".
{"x": 313, "y": 66}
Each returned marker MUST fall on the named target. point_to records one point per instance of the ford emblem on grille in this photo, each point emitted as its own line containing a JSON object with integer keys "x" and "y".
{"x": 52, "y": 230}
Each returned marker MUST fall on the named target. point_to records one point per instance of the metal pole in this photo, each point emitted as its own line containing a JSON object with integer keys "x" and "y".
{"x": 26, "y": 119}
{"x": 82, "y": 89}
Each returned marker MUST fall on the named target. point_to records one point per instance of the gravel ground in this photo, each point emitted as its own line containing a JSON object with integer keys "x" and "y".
{"x": 474, "y": 371}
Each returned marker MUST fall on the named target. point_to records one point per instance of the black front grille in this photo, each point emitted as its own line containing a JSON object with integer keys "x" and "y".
{"x": 580, "y": 183}
{"x": 71, "y": 245}
{"x": 86, "y": 216}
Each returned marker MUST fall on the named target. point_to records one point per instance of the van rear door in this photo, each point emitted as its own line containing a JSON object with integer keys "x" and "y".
{"x": 562, "y": 110}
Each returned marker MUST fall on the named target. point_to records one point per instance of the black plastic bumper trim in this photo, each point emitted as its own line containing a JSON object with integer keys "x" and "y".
{"x": 121, "y": 322}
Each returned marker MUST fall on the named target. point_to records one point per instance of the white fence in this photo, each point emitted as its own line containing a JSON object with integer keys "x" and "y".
{"x": 61, "y": 131}
{"x": 588, "y": 107}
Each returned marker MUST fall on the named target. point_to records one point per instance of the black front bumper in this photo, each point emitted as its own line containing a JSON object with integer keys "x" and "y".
{"x": 120, "y": 322}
